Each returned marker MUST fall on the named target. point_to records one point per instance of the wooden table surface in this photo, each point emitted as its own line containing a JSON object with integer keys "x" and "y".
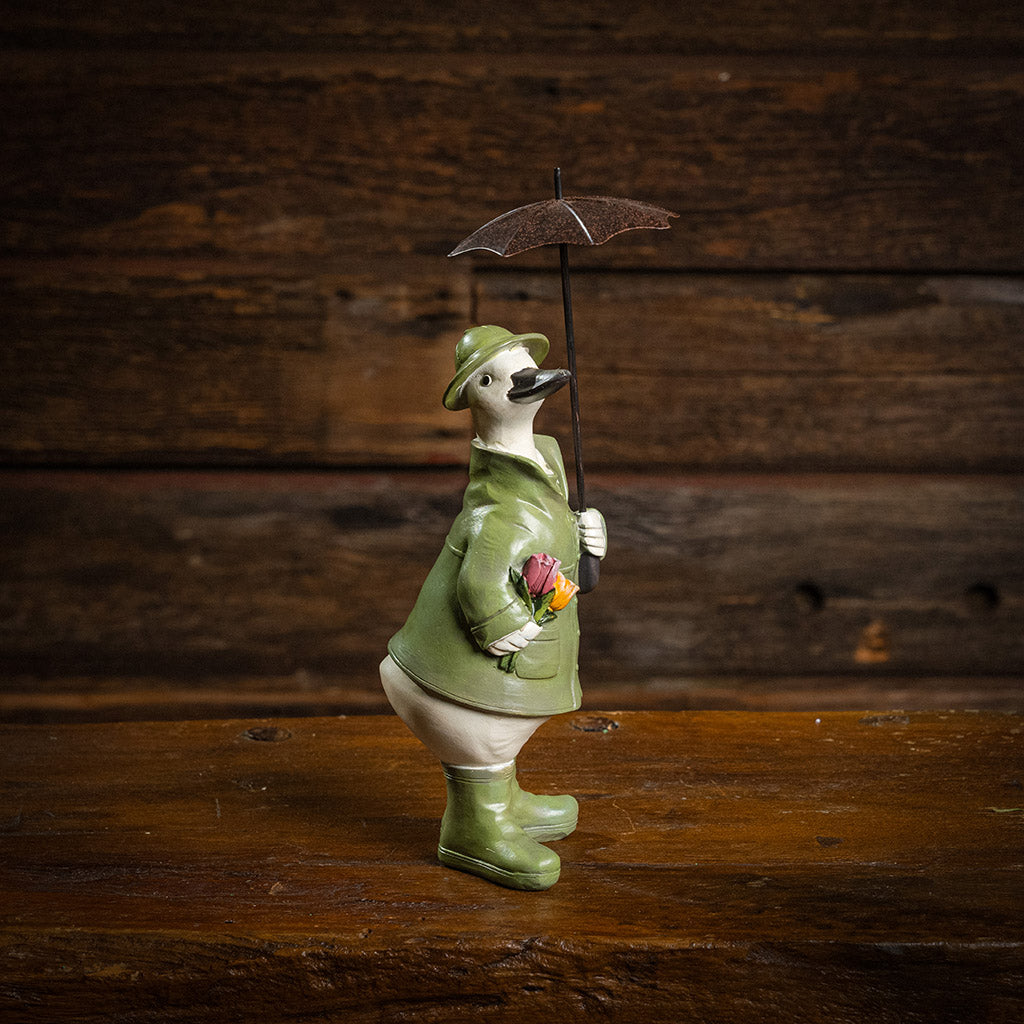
{"x": 727, "y": 867}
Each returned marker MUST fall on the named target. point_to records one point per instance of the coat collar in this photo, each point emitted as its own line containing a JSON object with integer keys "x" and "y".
{"x": 489, "y": 462}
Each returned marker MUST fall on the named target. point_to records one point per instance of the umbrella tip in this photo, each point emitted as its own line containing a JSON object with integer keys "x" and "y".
{"x": 558, "y": 182}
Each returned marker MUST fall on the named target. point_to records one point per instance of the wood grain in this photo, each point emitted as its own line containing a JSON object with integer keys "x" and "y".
{"x": 132, "y": 594}
{"x": 222, "y": 246}
{"x": 591, "y": 26}
{"x": 860, "y": 867}
{"x": 785, "y": 371}
{"x": 165, "y": 362}
{"x": 168, "y": 362}
{"x": 793, "y": 163}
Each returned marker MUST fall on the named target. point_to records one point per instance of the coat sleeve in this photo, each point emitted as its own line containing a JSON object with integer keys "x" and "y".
{"x": 486, "y": 595}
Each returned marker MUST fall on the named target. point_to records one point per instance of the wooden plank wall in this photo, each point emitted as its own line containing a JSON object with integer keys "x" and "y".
{"x": 228, "y": 318}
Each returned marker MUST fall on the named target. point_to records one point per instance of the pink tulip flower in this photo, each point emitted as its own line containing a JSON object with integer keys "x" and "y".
{"x": 540, "y": 573}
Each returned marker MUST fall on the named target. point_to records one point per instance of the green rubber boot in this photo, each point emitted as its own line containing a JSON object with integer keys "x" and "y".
{"x": 480, "y": 835}
{"x": 544, "y": 818}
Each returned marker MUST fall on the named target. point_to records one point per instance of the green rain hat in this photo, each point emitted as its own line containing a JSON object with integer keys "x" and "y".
{"x": 481, "y": 344}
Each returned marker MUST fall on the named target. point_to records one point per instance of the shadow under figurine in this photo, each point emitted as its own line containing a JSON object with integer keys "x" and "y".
{"x": 488, "y": 653}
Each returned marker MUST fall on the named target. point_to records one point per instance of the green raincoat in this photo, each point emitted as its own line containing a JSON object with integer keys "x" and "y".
{"x": 513, "y": 508}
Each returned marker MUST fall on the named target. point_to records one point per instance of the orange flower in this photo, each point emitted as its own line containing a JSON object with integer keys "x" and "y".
{"x": 565, "y": 591}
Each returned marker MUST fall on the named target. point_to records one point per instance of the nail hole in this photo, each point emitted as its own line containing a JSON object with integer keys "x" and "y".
{"x": 267, "y": 734}
{"x": 809, "y": 596}
{"x": 878, "y": 720}
{"x": 982, "y": 597}
{"x": 594, "y": 723}
{"x": 828, "y": 841}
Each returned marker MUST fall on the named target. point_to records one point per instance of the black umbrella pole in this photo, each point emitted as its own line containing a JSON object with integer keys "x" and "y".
{"x": 574, "y": 390}
{"x": 590, "y": 565}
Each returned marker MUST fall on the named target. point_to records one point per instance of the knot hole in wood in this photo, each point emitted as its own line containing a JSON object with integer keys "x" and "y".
{"x": 808, "y": 596}
{"x": 982, "y": 597}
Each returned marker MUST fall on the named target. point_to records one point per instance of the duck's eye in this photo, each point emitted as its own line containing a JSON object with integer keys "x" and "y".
{"x": 485, "y": 380}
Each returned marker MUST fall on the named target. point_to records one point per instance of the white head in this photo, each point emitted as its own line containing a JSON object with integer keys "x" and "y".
{"x": 505, "y": 395}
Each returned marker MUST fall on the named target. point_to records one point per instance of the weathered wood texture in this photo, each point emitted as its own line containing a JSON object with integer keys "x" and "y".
{"x": 494, "y": 27}
{"x": 163, "y": 363}
{"x": 160, "y": 363}
{"x": 153, "y": 594}
{"x": 803, "y": 162}
{"x": 222, "y": 245}
{"x": 727, "y": 867}
{"x": 789, "y": 372}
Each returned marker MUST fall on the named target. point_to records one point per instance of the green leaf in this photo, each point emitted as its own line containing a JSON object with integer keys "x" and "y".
{"x": 521, "y": 587}
{"x": 507, "y": 662}
{"x": 541, "y": 606}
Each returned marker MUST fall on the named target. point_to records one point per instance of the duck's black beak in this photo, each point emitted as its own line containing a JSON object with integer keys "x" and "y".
{"x": 533, "y": 385}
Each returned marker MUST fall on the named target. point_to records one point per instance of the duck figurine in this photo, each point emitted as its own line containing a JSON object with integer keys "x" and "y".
{"x": 488, "y": 652}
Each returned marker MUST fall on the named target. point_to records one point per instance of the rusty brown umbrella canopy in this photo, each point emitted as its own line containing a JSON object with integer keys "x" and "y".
{"x": 575, "y": 220}
{"x": 572, "y": 220}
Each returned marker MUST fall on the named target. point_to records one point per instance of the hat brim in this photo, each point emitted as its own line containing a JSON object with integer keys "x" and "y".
{"x": 536, "y": 344}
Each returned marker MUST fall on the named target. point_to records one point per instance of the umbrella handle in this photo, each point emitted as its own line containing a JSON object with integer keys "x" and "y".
{"x": 589, "y": 572}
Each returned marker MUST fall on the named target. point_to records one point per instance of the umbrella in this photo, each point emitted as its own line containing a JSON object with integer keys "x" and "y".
{"x": 573, "y": 220}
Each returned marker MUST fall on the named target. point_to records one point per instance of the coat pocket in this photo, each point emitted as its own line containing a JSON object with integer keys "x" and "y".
{"x": 541, "y": 657}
